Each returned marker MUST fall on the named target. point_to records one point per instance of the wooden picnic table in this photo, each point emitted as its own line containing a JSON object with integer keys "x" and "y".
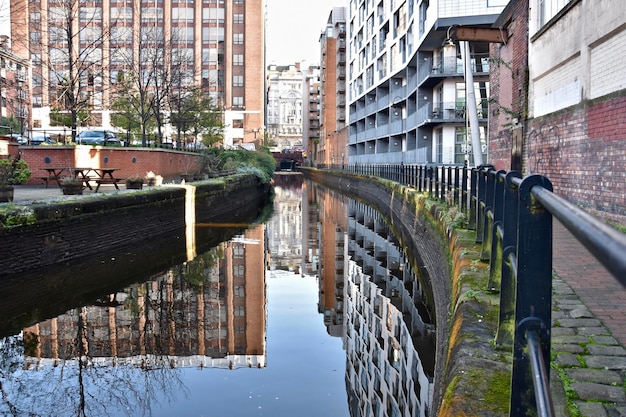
{"x": 98, "y": 175}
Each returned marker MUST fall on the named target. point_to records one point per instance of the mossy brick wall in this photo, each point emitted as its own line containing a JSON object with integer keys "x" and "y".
{"x": 92, "y": 227}
{"x": 131, "y": 161}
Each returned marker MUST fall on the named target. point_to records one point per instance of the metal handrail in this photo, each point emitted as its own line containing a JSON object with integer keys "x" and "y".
{"x": 512, "y": 217}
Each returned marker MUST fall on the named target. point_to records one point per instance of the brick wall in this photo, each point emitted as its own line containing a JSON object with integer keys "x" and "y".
{"x": 508, "y": 81}
{"x": 131, "y": 161}
{"x": 582, "y": 150}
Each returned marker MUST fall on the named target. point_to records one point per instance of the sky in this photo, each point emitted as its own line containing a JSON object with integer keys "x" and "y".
{"x": 294, "y": 27}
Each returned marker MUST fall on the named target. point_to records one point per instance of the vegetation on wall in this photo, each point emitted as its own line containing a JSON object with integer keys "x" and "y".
{"x": 260, "y": 162}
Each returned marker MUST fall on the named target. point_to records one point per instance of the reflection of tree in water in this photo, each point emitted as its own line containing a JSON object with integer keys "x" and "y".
{"x": 81, "y": 385}
{"x": 91, "y": 374}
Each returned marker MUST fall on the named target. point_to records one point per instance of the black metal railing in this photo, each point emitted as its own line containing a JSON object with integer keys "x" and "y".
{"x": 512, "y": 217}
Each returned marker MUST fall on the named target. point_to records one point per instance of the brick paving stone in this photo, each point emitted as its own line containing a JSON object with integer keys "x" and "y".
{"x": 601, "y": 376}
{"x": 580, "y": 323}
{"x": 575, "y": 338}
{"x": 567, "y": 359}
{"x": 592, "y": 409}
{"x": 606, "y": 350}
{"x": 580, "y": 313}
{"x": 568, "y": 348}
{"x": 606, "y": 362}
{"x": 593, "y": 331}
{"x": 599, "y": 392}
{"x": 561, "y": 331}
{"x": 605, "y": 340}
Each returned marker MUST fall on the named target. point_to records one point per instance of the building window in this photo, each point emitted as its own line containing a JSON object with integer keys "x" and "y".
{"x": 90, "y": 14}
{"x": 237, "y": 80}
{"x": 238, "y": 102}
{"x": 238, "y": 38}
{"x": 238, "y": 18}
{"x": 239, "y": 291}
{"x": 238, "y": 1}
{"x": 463, "y": 145}
{"x": 121, "y": 14}
{"x": 240, "y": 311}
{"x": 35, "y": 37}
{"x": 212, "y": 35}
{"x": 182, "y": 14}
{"x": 239, "y": 271}
{"x": 237, "y": 59}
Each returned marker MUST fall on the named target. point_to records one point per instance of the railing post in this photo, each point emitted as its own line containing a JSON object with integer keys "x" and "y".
{"x": 431, "y": 174}
{"x": 473, "y": 200}
{"x": 506, "y": 322}
{"x": 488, "y": 214}
{"x": 421, "y": 178}
{"x": 496, "y": 232}
{"x": 533, "y": 293}
{"x": 463, "y": 191}
{"x": 481, "y": 193}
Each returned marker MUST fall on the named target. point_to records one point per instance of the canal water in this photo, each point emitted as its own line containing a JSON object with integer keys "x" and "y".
{"x": 313, "y": 310}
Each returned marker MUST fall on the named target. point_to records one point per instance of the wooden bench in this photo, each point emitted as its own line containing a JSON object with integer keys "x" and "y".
{"x": 101, "y": 181}
{"x": 47, "y": 179}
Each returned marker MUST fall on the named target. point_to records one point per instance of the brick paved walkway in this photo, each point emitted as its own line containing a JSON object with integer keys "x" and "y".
{"x": 603, "y": 295}
{"x": 588, "y": 332}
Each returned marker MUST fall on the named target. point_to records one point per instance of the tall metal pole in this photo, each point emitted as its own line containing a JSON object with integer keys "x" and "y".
{"x": 470, "y": 96}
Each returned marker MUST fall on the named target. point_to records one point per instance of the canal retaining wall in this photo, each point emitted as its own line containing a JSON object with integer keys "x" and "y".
{"x": 471, "y": 377}
{"x": 54, "y": 232}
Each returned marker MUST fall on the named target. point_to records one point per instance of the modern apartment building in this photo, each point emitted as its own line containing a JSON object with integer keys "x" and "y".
{"x": 311, "y": 109}
{"x": 408, "y": 99}
{"x": 331, "y": 146}
{"x": 14, "y": 87}
{"x": 171, "y": 45}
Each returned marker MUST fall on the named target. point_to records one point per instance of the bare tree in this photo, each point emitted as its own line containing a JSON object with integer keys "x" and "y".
{"x": 66, "y": 51}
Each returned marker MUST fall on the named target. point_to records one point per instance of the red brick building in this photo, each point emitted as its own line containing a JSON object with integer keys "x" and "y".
{"x": 559, "y": 100}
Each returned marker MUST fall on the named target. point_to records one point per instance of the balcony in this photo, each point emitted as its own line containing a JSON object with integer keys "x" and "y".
{"x": 430, "y": 73}
{"x": 449, "y": 112}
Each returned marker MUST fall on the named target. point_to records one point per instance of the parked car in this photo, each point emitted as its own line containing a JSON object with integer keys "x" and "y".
{"x": 15, "y": 137}
{"x": 38, "y": 140}
{"x": 98, "y": 137}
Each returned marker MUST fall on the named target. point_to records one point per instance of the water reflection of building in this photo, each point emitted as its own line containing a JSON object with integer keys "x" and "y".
{"x": 206, "y": 312}
{"x": 310, "y": 231}
{"x": 285, "y": 228}
{"x": 333, "y": 228}
{"x": 389, "y": 336}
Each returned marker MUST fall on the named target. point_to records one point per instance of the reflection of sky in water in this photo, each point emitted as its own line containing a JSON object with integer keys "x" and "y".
{"x": 304, "y": 375}
{"x": 305, "y": 366}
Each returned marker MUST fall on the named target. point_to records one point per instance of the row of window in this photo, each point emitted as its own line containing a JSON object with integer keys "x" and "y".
{"x": 124, "y": 35}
